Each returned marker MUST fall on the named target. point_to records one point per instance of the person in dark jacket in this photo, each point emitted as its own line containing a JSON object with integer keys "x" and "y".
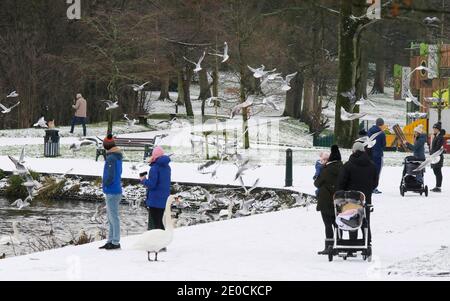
{"x": 418, "y": 148}
{"x": 326, "y": 184}
{"x": 377, "y": 151}
{"x": 112, "y": 188}
{"x": 359, "y": 174}
{"x": 436, "y": 145}
{"x": 158, "y": 188}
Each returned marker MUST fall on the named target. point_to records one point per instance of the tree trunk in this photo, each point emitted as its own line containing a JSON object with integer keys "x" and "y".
{"x": 308, "y": 101}
{"x": 187, "y": 92}
{"x": 380, "y": 75}
{"x": 294, "y": 97}
{"x": 205, "y": 87}
{"x": 165, "y": 82}
{"x": 347, "y": 28}
{"x": 180, "y": 100}
{"x": 215, "y": 88}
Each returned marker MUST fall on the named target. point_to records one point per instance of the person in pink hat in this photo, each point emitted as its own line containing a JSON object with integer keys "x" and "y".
{"x": 158, "y": 187}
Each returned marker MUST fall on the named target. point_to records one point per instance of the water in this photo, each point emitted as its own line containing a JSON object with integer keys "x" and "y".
{"x": 46, "y": 225}
{"x": 55, "y": 224}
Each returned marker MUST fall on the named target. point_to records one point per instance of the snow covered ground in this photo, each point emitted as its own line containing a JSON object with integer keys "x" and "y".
{"x": 409, "y": 238}
{"x": 409, "y": 234}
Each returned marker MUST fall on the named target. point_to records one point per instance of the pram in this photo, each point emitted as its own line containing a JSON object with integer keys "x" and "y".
{"x": 351, "y": 212}
{"x": 413, "y": 180}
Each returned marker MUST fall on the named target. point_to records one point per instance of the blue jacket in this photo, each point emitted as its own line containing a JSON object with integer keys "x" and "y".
{"x": 378, "y": 149}
{"x": 319, "y": 167}
{"x": 158, "y": 183}
{"x": 112, "y": 173}
{"x": 419, "y": 147}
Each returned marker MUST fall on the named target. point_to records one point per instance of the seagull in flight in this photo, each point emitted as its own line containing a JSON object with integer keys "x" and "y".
{"x": 198, "y": 66}
{"x": 287, "y": 81}
{"x": 268, "y": 101}
{"x": 369, "y": 142}
{"x": 76, "y": 147}
{"x": 423, "y": 68}
{"x": 417, "y": 115}
{"x": 139, "y": 88}
{"x": 111, "y": 105}
{"x": 248, "y": 191}
{"x": 431, "y": 20}
{"x": 20, "y": 168}
{"x": 41, "y": 123}
{"x": 363, "y": 101}
{"x": 346, "y": 116}
{"x": 13, "y": 94}
{"x": 259, "y": 72}
{"x": 130, "y": 122}
{"x": 225, "y": 55}
{"x": 270, "y": 77}
{"x": 412, "y": 98}
{"x": 6, "y": 110}
{"x": 433, "y": 159}
{"x": 22, "y": 156}
{"x": 238, "y": 108}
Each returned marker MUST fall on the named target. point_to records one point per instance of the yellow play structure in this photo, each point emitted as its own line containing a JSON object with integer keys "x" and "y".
{"x": 408, "y": 130}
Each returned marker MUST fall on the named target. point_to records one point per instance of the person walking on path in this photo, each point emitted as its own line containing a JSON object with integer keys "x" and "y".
{"x": 359, "y": 174}
{"x": 158, "y": 188}
{"x": 112, "y": 188}
{"x": 377, "y": 152}
{"x": 326, "y": 184}
{"x": 80, "y": 116}
{"x": 436, "y": 145}
{"x": 418, "y": 148}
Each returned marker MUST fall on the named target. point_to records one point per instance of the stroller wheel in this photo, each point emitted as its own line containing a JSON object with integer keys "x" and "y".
{"x": 369, "y": 254}
{"x": 402, "y": 191}
{"x": 426, "y": 191}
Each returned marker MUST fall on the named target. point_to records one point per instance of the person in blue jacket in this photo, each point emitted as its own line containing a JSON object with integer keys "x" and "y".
{"x": 158, "y": 188}
{"x": 418, "y": 148}
{"x": 377, "y": 153}
{"x": 112, "y": 188}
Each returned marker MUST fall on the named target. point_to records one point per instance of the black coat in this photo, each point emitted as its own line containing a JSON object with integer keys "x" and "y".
{"x": 327, "y": 182}
{"x": 359, "y": 174}
{"x": 436, "y": 145}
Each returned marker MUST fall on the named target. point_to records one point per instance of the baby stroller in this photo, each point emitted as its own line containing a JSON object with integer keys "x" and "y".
{"x": 350, "y": 209}
{"x": 413, "y": 180}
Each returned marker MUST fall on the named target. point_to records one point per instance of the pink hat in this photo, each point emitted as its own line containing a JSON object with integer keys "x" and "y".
{"x": 158, "y": 152}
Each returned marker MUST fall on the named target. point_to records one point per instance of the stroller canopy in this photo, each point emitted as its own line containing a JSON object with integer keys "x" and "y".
{"x": 349, "y": 206}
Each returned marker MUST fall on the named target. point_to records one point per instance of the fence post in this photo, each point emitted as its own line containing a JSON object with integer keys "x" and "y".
{"x": 289, "y": 167}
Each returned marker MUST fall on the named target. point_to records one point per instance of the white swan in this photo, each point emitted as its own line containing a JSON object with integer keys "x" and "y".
{"x": 156, "y": 240}
{"x": 11, "y": 239}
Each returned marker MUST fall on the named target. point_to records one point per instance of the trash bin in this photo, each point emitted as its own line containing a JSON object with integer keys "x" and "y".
{"x": 51, "y": 143}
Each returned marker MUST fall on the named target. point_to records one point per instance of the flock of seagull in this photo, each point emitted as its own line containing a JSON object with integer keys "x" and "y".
{"x": 5, "y": 109}
{"x": 30, "y": 184}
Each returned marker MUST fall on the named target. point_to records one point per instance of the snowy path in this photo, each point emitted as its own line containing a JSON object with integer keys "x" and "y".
{"x": 407, "y": 232}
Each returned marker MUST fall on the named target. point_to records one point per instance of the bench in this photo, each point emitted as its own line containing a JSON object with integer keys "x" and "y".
{"x": 146, "y": 143}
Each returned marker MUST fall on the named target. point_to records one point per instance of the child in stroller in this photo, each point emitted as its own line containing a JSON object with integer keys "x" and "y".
{"x": 350, "y": 209}
{"x": 413, "y": 180}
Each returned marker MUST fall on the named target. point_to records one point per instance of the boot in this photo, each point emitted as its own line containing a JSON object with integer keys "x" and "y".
{"x": 436, "y": 189}
{"x": 328, "y": 243}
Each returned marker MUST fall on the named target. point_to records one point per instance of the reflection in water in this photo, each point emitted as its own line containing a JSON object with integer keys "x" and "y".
{"x": 46, "y": 224}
